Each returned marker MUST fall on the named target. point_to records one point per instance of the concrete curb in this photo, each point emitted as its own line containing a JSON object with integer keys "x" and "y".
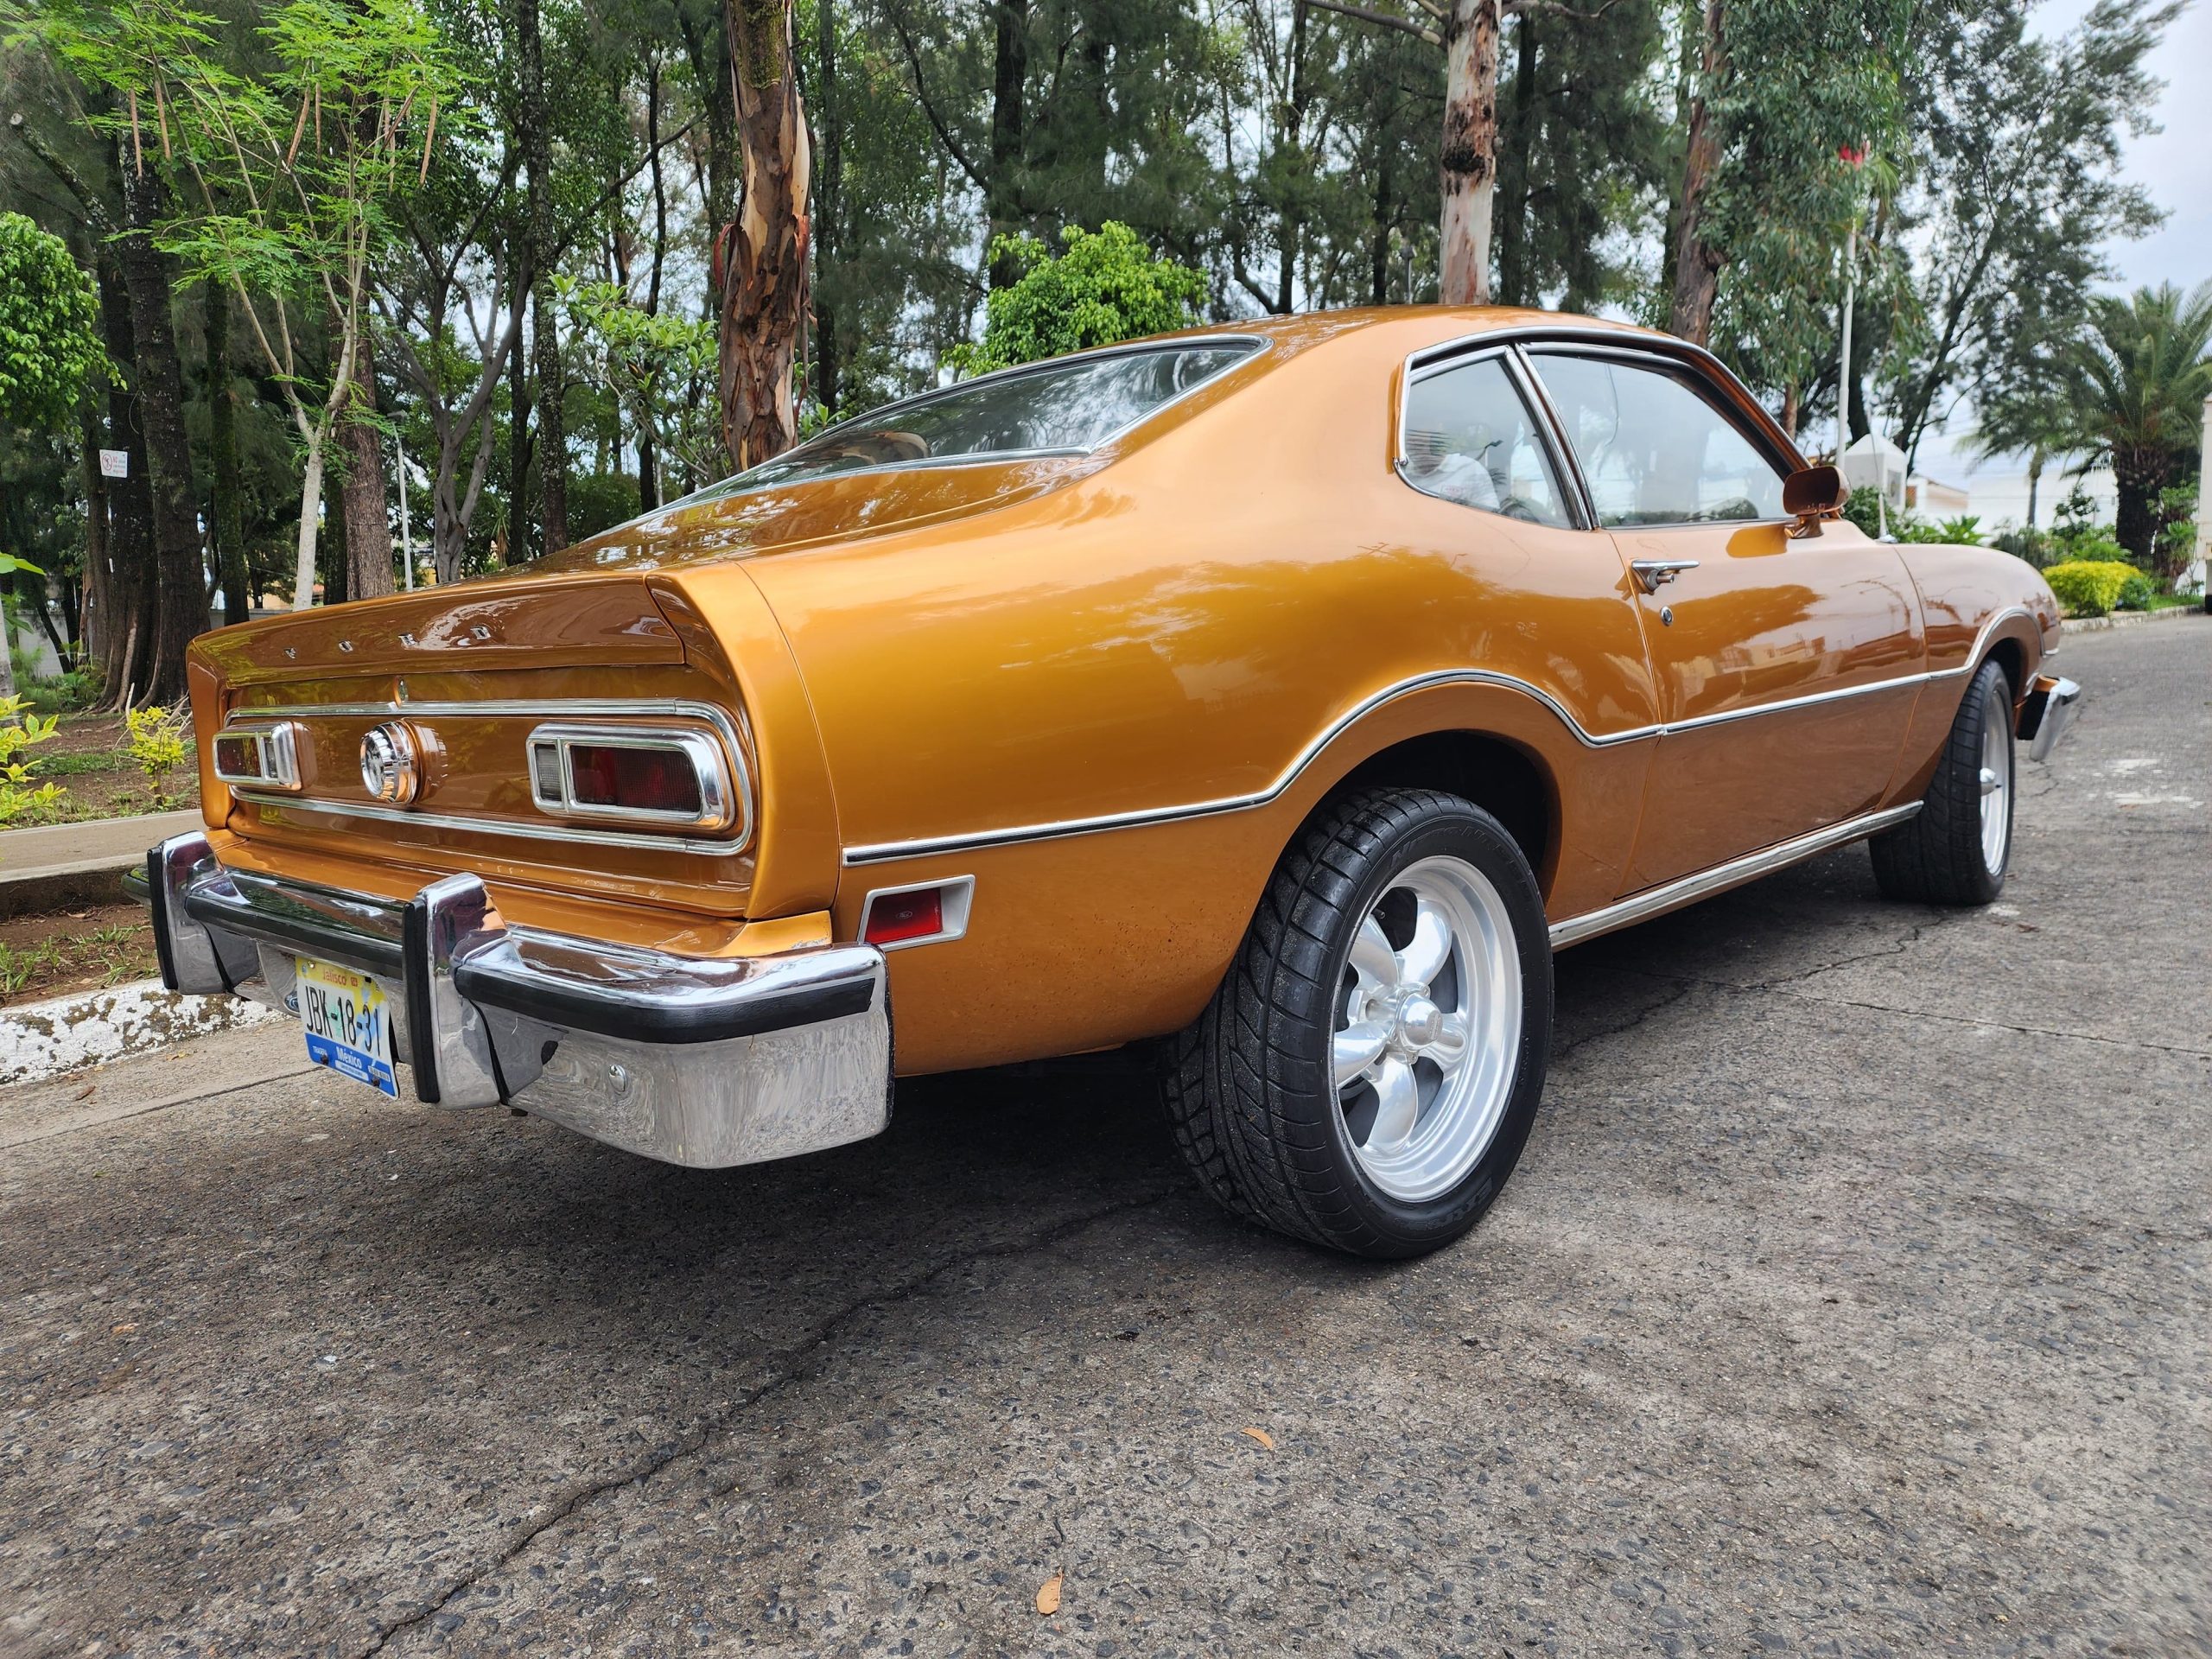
{"x": 2128, "y": 619}
{"x": 40, "y": 1040}
{"x": 57, "y": 865}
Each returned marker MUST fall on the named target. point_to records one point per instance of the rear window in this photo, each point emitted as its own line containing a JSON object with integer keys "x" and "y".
{"x": 1053, "y": 408}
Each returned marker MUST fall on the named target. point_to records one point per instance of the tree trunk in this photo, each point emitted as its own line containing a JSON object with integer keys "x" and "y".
{"x": 764, "y": 275}
{"x": 1789, "y": 411}
{"x": 1468, "y": 159}
{"x": 311, "y": 507}
{"x": 1697, "y": 262}
{"x": 181, "y": 590}
{"x": 126, "y": 594}
{"x": 537, "y": 136}
{"x": 648, "y": 458}
{"x": 227, "y": 519}
{"x": 2141, "y": 475}
{"x": 361, "y": 501}
{"x": 1379, "y": 253}
{"x": 1512, "y": 227}
{"x": 519, "y": 545}
{"x": 2034, "y": 484}
{"x": 94, "y": 604}
{"x": 829, "y": 199}
{"x": 1009, "y": 122}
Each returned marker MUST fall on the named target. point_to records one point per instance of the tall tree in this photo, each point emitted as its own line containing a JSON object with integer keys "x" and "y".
{"x": 2136, "y": 383}
{"x": 535, "y": 122}
{"x": 761, "y": 255}
{"x": 1770, "y": 94}
{"x": 2021, "y": 180}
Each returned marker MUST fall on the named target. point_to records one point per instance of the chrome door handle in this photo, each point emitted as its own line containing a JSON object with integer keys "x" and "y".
{"x": 1651, "y": 574}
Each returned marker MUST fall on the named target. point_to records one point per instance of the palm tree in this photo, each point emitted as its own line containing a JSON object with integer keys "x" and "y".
{"x": 2136, "y": 383}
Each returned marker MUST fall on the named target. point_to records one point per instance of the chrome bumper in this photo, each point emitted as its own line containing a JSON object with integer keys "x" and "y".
{"x": 703, "y": 1062}
{"x": 2045, "y": 713}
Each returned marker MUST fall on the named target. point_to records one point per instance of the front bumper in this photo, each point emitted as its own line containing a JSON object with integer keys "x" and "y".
{"x": 2045, "y": 713}
{"x": 703, "y": 1062}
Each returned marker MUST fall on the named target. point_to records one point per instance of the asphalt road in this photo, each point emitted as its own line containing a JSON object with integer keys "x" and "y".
{"x": 1851, "y": 1298}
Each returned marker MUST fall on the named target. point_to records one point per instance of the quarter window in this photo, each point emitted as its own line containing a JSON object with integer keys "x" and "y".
{"x": 1653, "y": 450}
{"x": 1469, "y": 438}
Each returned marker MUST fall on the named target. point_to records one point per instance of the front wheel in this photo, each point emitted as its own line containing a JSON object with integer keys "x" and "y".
{"x": 1367, "y": 1072}
{"x": 1956, "y": 848}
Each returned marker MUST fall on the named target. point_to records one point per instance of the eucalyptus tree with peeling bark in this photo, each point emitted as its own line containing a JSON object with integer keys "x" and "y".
{"x": 761, "y": 259}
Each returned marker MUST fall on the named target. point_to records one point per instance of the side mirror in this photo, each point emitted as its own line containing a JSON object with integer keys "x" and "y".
{"x": 1811, "y": 494}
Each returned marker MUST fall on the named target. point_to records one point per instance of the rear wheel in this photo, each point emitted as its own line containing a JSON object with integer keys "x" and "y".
{"x": 1956, "y": 848}
{"x": 1367, "y": 1072}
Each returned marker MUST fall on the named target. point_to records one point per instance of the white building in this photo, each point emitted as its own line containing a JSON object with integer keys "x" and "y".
{"x": 2001, "y": 499}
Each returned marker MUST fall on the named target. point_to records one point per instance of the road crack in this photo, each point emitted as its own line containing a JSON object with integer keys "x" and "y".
{"x": 796, "y": 1364}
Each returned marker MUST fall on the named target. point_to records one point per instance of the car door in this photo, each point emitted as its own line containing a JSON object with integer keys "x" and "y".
{"x": 1785, "y": 668}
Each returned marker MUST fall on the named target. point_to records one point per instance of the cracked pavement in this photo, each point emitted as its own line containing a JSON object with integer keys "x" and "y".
{"x": 1851, "y": 1298}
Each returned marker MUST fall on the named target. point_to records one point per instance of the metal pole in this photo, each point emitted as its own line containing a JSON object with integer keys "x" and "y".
{"x": 406, "y": 538}
{"x": 2204, "y": 508}
{"x": 1843, "y": 374}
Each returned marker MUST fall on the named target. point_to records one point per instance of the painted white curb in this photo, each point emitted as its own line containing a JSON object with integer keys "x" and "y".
{"x": 44, "y": 1040}
{"x": 2128, "y": 619}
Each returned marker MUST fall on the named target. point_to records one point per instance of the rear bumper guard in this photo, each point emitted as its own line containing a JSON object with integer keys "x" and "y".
{"x": 697, "y": 1061}
{"x": 2045, "y": 713}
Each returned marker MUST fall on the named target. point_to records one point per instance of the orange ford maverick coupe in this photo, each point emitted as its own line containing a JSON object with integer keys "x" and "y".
{"x": 1289, "y": 693}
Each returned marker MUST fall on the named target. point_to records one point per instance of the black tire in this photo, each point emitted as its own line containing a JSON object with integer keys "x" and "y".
{"x": 1248, "y": 1087}
{"x": 1938, "y": 856}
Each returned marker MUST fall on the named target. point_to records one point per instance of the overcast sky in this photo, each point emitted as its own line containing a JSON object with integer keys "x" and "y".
{"x": 2175, "y": 164}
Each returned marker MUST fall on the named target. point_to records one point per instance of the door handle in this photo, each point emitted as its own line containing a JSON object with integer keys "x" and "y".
{"x": 1651, "y": 574}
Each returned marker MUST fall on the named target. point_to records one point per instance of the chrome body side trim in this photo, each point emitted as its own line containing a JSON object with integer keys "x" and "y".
{"x": 708, "y": 1062}
{"x": 884, "y": 852}
{"x": 1672, "y": 895}
{"x": 572, "y": 708}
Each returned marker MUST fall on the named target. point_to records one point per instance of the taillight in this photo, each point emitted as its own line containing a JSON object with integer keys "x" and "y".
{"x": 678, "y": 780}
{"x": 258, "y": 757}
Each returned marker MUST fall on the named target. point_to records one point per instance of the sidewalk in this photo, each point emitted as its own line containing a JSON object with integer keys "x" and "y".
{"x": 70, "y": 862}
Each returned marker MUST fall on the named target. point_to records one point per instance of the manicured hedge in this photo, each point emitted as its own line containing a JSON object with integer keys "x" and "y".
{"x": 2092, "y": 587}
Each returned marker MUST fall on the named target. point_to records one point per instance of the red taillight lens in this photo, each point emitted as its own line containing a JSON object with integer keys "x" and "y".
{"x": 636, "y": 780}
{"x": 238, "y": 756}
{"x": 899, "y": 916}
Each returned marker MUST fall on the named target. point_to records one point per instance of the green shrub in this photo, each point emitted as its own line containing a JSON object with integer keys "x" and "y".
{"x": 2137, "y": 593}
{"x": 158, "y": 741}
{"x": 21, "y": 730}
{"x": 2091, "y": 587}
{"x": 1105, "y": 288}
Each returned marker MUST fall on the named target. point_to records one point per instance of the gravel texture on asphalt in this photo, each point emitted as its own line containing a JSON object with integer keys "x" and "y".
{"x": 1851, "y": 1299}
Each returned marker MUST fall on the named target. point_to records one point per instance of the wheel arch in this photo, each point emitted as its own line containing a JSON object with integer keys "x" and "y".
{"x": 1508, "y": 779}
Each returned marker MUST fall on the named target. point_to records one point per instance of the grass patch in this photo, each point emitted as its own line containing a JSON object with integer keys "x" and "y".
{"x": 44, "y": 957}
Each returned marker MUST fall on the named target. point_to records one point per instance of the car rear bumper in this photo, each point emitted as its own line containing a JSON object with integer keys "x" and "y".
{"x": 703, "y": 1062}
{"x": 2045, "y": 713}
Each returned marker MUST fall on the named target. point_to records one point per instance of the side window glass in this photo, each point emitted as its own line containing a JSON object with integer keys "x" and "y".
{"x": 1469, "y": 438}
{"x": 1654, "y": 451}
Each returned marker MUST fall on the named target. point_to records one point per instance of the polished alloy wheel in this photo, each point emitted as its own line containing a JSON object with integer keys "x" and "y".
{"x": 1996, "y": 785}
{"x": 1429, "y": 1022}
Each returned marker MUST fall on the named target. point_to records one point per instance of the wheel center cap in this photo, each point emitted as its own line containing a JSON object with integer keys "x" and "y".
{"x": 1420, "y": 1020}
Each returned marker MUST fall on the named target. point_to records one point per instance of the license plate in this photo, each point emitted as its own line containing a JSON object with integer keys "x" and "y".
{"x": 348, "y": 1023}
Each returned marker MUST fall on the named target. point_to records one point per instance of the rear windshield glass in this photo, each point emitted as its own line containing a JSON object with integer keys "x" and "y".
{"x": 1055, "y": 408}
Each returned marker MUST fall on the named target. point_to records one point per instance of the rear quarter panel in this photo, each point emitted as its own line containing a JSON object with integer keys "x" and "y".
{"x": 1976, "y": 601}
{"x": 1179, "y": 628}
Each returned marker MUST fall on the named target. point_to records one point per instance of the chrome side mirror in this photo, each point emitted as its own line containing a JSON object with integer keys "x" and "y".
{"x": 1812, "y": 494}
